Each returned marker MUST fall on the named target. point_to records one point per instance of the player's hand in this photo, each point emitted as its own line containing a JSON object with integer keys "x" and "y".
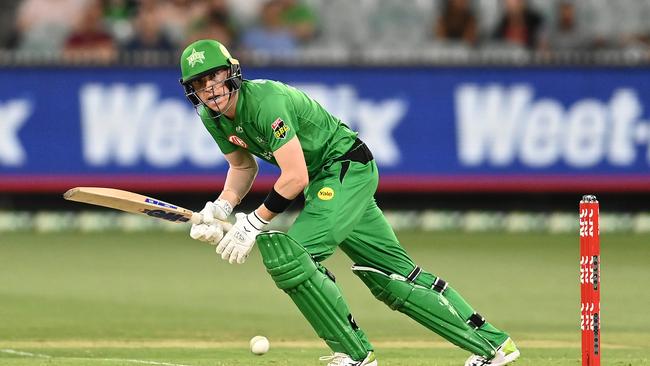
{"x": 209, "y": 233}
{"x": 217, "y": 210}
{"x": 238, "y": 242}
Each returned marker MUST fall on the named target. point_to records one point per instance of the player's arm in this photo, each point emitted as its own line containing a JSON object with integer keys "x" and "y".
{"x": 277, "y": 115}
{"x": 293, "y": 179}
{"x": 239, "y": 179}
{"x": 237, "y": 243}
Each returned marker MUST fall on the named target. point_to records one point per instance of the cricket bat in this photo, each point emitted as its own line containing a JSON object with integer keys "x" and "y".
{"x": 135, "y": 203}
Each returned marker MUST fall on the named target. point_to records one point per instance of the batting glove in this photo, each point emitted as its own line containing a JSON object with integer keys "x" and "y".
{"x": 210, "y": 229}
{"x": 209, "y": 233}
{"x": 217, "y": 210}
{"x": 238, "y": 242}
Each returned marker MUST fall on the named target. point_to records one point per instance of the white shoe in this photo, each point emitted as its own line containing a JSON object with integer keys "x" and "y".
{"x": 506, "y": 353}
{"x": 342, "y": 359}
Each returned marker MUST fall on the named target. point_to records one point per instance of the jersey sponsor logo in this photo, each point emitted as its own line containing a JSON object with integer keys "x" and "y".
{"x": 196, "y": 57}
{"x": 279, "y": 129}
{"x": 326, "y": 193}
{"x": 237, "y": 141}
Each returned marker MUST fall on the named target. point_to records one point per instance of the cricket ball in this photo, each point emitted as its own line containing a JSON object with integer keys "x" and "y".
{"x": 259, "y": 345}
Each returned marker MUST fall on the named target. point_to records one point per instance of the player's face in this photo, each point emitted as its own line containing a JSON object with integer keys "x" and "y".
{"x": 212, "y": 90}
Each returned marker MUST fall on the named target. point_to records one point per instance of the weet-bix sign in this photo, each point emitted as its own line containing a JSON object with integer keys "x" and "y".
{"x": 428, "y": 128}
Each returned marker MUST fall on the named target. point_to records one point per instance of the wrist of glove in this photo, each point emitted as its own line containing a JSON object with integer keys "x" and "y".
{"x": 217, "y": 210}
{"x": 238, "y": 242}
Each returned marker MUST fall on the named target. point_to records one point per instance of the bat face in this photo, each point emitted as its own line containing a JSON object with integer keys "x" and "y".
{"x": 135, "y": 203}
{"x": 130, "y": 202}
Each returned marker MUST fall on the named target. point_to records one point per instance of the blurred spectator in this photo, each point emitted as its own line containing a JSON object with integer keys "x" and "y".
{"x": 457, "y": 22}
{"x": 43, "y": 25}
{"x": 219, "y": 10}
{"x": 392, "y": 25}
{"x": 215, "y": 23}
{"x": 342, "y": 25}
{"x": 631, "y": 24}
{"x": 89, "y": 41}
{"x": 148, "y": 34}
{"x": 246, "y": 12}
{"x": 300, "y": 19}
{"x": 8, "y": 34}
{"x": 271, "y": 35}
{"x": 118, "y": 15}
{"x": 119, "y": 9}
{"x": 565, "y": 35}
{"x": 520, "y": 25}
{"x": 176, "y": 16}
{"x": 213, "y": 27}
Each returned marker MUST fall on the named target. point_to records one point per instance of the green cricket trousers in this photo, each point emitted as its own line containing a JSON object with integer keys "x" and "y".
{"x": 341, "y": 211}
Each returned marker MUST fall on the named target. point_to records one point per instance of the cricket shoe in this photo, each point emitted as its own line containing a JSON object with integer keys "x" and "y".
{"x": 341, "y": 359}
{"x": 506, "y": 353}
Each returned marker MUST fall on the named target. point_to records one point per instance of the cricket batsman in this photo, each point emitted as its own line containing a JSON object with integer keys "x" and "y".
{"x": 320, "y": 156}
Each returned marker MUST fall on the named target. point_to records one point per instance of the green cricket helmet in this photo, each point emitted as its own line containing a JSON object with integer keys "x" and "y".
{"x": 203, "y": 57}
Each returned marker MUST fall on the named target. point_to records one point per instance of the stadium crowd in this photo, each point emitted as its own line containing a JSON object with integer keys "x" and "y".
{"x": 101, "y": 29}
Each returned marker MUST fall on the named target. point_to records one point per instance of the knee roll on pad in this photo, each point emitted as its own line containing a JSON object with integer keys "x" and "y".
{"x": 314, "y": 292}
{"x": 428, "y": 307}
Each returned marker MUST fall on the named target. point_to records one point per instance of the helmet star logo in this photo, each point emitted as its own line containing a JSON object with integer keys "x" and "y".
{"x": 196, "y": 57}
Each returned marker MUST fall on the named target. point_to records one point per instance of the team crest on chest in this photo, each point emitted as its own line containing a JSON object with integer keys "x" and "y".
{"x": 239, "y": 129}
{"x": 279, "y": 129}
{"x": 237, "y": 141}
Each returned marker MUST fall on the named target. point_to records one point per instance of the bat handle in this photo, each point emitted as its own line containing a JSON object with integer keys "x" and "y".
{"x": 197, "y": 218}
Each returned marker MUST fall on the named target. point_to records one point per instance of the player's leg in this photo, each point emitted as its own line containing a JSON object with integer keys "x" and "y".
{"x": 293, "y": 260}
{"x": 391, "y": 275}
{"x": 313, "y": 290}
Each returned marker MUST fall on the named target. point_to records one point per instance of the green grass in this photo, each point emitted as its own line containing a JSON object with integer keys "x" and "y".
{"x": 104, "y": 299}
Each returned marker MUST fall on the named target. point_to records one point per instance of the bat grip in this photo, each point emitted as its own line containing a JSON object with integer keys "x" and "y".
{"x": 197, "y": 218}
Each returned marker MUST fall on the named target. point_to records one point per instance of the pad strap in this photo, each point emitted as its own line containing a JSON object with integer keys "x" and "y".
{"x": 429, "y": 308}
{"x": 414, "y": 274}
{"x": 439, "y": 285}
{"x": 476, "y": 321}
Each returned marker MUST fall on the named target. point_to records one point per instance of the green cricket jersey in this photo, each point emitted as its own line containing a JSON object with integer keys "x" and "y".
{"x": 270, "y": 113}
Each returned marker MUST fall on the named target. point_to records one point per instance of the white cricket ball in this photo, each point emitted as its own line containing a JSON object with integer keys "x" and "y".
{"x": 260, "y": 345}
